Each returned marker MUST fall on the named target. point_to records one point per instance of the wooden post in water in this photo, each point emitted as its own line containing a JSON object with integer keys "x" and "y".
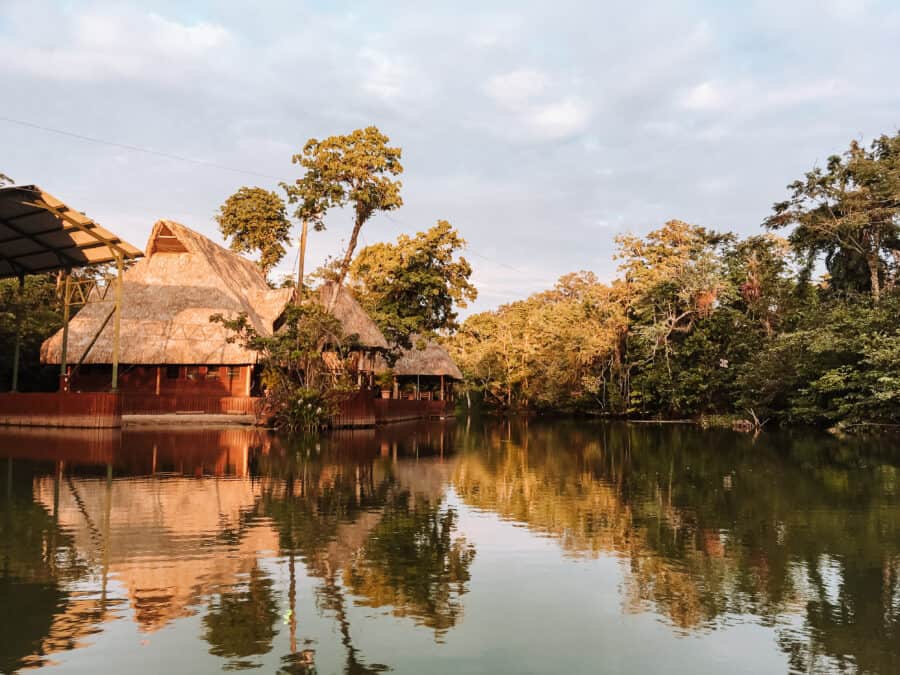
{"x": 117, "y": 320}
{"x": 67, "y": 292}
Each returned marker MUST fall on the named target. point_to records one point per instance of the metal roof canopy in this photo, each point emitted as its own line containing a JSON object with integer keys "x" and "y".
{"x": 39, "y": 233}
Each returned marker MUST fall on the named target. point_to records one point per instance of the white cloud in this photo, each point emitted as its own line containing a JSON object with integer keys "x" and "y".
{"x": 560, "y": 119}
{"x": 535, "y": 105}
{"x": 517, "y": 87}
{"x": 384, "y": 77}
{"x": 98, "y": 46}
{"x": 654, "y": 102}
{"x": 704, "y": 96}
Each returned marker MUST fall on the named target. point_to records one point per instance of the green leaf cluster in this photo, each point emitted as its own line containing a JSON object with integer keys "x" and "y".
{"x": 414, "y": 286}
{"x": 256, "y": 220}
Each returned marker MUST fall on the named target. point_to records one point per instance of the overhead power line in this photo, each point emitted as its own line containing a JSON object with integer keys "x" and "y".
{"x": 198, "y": 162}
{"x": 137, "y": 148}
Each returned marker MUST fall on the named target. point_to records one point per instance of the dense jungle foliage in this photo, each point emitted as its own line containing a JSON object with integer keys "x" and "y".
{"x": 798, "y": 329}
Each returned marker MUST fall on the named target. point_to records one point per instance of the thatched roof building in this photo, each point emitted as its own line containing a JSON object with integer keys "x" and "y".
{"x": 167, "y": 299}
{"x": 353, "y": 318}
{"x": 431, "y": 359}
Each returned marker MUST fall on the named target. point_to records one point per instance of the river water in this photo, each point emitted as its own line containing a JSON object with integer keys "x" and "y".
{"x": 458, "y": 547}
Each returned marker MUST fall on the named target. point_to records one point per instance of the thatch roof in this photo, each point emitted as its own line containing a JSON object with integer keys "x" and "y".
{"x": 167, "y": 299}
{"x": 353, "y": 318}
{"x": 431, "y": 359}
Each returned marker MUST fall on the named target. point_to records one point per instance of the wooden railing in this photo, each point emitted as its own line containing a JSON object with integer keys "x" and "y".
{"x": 95, "y": 410}
{"x": 167, "y": 404}
{"x": 356, "y": 411}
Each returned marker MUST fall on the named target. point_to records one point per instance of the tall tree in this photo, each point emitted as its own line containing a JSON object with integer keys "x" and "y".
{"x": 849, "y": 209}
{"x": 350, "y": 170}
{"x": 675, "y": 278}
{"x": 414, "y": 285}
{"x": 256, "y": 221}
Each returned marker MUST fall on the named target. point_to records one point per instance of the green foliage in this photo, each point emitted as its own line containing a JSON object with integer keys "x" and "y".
{"x": 708, "y": 324}
{"x": 41, "y": 318}
{"x": 702, "y": 324}
{"x": 350, "y": 170}
{"x": 256, "y": 221}
{"x": 414, "y": 285}
{"x": 302, "y": 390}
{"x": 850, "y": 212}
{"x": 839, "y": 363}
{"x": 558, "y": 349}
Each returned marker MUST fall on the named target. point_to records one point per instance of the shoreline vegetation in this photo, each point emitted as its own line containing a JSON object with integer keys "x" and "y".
{"x": 796, "y": 325}
{"x": 743, "y": 332}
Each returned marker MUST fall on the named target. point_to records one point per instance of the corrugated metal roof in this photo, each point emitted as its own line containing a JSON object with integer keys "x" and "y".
{"x": 39, "y": 233}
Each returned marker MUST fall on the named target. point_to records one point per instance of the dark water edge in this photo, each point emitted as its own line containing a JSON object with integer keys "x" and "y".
{"x": 492, "y": 545}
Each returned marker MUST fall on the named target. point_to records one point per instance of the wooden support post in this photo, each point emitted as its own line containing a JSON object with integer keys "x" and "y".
{"x": 20, "y": 295}
{"x": 67, "y": 292}
{"x": 418, "y": 389}
{"x": 442, "y": 387}
{"x": 247, "y": 383}
{"x": 117, "y": 321}
{"x": 396, "y": 392}
{"x": 158, "y": 378}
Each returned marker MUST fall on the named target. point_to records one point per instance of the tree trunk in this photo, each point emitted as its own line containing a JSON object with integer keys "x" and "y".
{"x": 345, "y": 263}
{"x": 873, "y": 261}
{"x": 302, "y": 257}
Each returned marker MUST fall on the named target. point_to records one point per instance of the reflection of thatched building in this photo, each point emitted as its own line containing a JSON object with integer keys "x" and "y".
{"x": 168, "y": 344}
{"x": 163, "y": 538}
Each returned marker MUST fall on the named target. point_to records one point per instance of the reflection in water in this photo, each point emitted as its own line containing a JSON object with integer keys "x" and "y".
{"x": 310, "y": 556}
{"x": 714, "y": 526}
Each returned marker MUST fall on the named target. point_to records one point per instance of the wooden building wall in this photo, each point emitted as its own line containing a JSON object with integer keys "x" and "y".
{"x": 190, "y": 380}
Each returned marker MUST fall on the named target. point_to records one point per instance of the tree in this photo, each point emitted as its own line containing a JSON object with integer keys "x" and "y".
{"x": 849, "y": 209}
{"x": 256, "y": 220}
{"x": 413, "y": 286}
{"x": 303, "y": 389}
{"x": 560, "y": 349}
{"x": 354, "y": 169}
{"x": 36, "y": 304}
{"x": 674, "y": 277}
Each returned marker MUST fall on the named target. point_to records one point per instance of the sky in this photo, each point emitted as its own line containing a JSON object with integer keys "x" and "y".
{"x": 539, "y": 129}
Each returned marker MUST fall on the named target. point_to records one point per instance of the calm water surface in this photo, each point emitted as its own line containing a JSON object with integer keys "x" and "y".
{"x": 449, "y": 548}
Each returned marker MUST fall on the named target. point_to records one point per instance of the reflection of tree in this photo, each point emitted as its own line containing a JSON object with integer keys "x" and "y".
{"x": 312, "y": 502}
{"x": 716, "y": 524}
{"x": 412, "y": 562}
{"x": 356, "y": 527}
{"x": 37, "y": 560}
{"x": 241, "y": 622}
